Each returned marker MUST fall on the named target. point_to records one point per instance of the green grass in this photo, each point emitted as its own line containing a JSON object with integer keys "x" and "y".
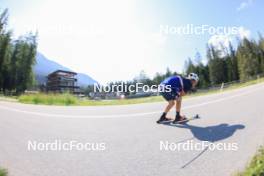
{"x": 256, "y": 166}
{"x": 231, "y": 87}
{"x": 3, "y": 172}
{"x": 8, "y": 98}
{"x": 67, "y": 99}
{"x": 49, "y": 99}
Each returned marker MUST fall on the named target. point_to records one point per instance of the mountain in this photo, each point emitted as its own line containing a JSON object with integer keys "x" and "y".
{"x": 45, "y": 66}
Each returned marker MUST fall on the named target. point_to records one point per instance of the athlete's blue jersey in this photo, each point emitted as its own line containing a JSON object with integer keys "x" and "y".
{"x": 174, "y": 82}
{"x": 178, "y": 84}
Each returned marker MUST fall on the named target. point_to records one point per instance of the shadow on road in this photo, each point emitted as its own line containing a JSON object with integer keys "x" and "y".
{"x": 210, "y": 133}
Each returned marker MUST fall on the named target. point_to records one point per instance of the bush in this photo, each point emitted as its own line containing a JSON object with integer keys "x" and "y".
{"x": 256, "y": 166}
{"x": 3, "y": 172}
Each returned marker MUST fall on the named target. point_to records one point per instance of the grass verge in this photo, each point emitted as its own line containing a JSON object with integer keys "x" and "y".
{"x": 8, "y": 98}
{"x": 67, "y": 99}
{"x": 49, "y": 99}
{"x": 256, "y": 166}
{"x": 3, "y": 172}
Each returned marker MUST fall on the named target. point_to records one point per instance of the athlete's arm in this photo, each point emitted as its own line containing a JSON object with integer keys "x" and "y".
{"x": 182, "y": 93}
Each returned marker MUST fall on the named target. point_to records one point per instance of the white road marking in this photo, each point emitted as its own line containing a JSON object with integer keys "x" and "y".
{"x": 125, "y": 115}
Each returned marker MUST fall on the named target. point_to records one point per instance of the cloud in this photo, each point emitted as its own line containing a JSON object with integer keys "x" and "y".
{"x": 223, "y": 40}
{"x": 243, "y": 33}
{"x": 106, "y": 42}
{"x": 220, "y": 41}
{"x": 244, "y": 5}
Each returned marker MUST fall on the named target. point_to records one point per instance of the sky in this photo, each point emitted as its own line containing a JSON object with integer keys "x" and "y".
{"x": 115, "y": 40}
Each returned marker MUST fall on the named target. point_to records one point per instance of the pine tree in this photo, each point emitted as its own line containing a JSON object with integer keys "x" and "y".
{"x": 261, "y": 52}
{"x": 168, "y": 73}
{"x": 25, "y": 58}
{"x": 234, "y": 66}
{"x": 4, "y": 44}
{"x": 198, "y": 68}
{"x": 3, "y": 21}
{"x": 5, "y": 40}
{"x": 217, "y": 66}
{"x": 248, "y": 61}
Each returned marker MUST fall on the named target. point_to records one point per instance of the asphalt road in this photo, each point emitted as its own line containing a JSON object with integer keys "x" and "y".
{"x": 131, "y": 138}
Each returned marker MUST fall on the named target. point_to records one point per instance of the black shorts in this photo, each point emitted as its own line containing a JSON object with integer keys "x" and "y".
{"x": 169, "y": 96}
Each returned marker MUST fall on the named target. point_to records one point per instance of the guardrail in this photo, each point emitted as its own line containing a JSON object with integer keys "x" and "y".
{"x": 225, "y": 85}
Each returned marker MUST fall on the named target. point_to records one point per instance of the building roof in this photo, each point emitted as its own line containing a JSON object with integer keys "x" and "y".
{"x": 62, "y": 71}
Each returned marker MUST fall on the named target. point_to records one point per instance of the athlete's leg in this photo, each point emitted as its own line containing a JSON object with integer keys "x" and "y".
{"x": 178, "y": 117}
{"x": 178, "y": 104}
{"x": 171, "y": 103}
